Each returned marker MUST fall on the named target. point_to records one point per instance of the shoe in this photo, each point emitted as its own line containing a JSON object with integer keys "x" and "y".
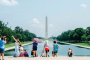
{"x": 48, "y": 56}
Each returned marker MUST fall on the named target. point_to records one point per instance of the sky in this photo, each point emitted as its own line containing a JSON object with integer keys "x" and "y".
{"x": 62, "y": 15}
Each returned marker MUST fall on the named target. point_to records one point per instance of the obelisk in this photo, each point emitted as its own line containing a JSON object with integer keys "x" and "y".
{"x": 46, "y": 29}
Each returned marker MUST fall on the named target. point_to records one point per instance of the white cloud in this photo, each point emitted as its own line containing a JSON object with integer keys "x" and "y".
{"x": 83, "y": 5}
{"x": 35, "y": 20}
{"x": 7, "y": 2}
{"x": 35, "y": 23}
{"x": 50, "y": 25}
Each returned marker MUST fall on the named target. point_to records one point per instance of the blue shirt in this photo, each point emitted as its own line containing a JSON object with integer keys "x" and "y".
{"x": 56, "y": 47}
{"x": 35, "y": 44}
{"x": 2, "y": 43}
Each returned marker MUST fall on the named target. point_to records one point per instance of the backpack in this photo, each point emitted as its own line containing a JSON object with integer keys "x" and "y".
{"x": 31, "y": 52}
{"x": 26, "y": 55}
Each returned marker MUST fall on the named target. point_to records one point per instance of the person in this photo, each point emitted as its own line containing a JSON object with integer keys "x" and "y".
{"x": 32, "y": 54}
{"x": 21, "y": 51}
{"x": 53, "y": 53}
{"x": 25, "y": 54}
{"x": 55, "y": 48}
{"x": 46, "y": 47}
{"x": 69, "y": 52}
{"x": 34, "y": 47}
{"x": 43, "y": 54}
{"x": 2, "y": 44}
{"x": 17, "y": 42}
{"x": 0, "y": 38}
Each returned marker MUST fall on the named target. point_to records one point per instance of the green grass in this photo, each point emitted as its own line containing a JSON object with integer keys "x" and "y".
{"x": 82, "y": 44}
{"x": 13, "y": 44}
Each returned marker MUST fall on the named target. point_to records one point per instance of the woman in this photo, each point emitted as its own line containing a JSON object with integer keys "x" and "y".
{"x": 34, "y": 47}
{"x": 2, "y": 43}
{"x": 46, "y": 47}
{"x": 17, "y": 42}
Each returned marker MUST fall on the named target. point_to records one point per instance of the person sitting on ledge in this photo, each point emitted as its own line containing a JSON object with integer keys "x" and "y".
{"x": 70, "y": 52}
{"x": 25, "y": 54}
{"x": 21, "y": 51}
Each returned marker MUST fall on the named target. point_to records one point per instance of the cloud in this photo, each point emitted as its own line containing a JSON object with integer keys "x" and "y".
{"x": 35, "y": 20}
{"x": 7, "y": 2}
{"x": 50, "y": 25}
{"x": 35, "y": 23}
{"x": 83, "y": 5}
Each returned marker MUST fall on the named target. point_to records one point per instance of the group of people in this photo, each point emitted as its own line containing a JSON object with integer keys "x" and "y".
{"x": 46, "y": 49}
{"x": 70, "y": 52}
{"x": 20, "y": 52}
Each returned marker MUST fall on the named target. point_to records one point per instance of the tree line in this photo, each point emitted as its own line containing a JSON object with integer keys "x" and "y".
{"x": 76, "y": 35}
{"x": 18, "y": 32}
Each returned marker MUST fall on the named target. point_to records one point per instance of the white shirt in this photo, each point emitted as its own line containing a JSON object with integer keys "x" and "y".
{"x": 43, "y": 54}
{"x": 21, "y": 48}
{"x": 69, "y": 51}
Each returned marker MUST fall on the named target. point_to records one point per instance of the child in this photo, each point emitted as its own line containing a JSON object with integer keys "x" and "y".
{"x": 21, "y": 51}
{"x": 25, "y": 54}
{"x": 43, "y": 54}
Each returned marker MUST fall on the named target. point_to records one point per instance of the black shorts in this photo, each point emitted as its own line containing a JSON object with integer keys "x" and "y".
{"x": 47, "y": 51}
{"x": 55, "y": 52}
{"x": 34, "y": 48}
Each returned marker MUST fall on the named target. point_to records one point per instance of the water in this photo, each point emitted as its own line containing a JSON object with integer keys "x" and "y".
{"x": 63, "y": 49}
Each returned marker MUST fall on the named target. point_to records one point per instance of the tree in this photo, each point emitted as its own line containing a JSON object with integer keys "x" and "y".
{"x": 80, "y": 32}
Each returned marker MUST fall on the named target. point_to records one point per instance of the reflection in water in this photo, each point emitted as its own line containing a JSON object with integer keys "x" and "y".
{"x": 63, "y": 49}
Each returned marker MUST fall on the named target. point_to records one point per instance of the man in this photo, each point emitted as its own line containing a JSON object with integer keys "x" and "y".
{"x": 55, "y": 48}
{"x": 2, "y": 43}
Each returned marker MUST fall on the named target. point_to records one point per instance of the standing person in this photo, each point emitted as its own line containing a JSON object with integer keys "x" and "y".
{"x": 46, "y": 47}
{"x": 55, "y": 48}
{"x": 34, "y": 47}
{"x": 2, "y": 43}
{"x": 17, "y": 42}
{"x": 21, "y": 51}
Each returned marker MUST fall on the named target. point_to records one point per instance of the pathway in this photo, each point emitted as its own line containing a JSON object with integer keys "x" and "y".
{"x": 48, "y": 58}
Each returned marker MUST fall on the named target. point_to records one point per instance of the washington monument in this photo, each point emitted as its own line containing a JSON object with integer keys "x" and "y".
{"x": 46, "y": 29}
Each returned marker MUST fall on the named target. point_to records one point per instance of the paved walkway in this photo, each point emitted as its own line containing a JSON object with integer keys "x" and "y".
{"x": 48, "y": 58}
